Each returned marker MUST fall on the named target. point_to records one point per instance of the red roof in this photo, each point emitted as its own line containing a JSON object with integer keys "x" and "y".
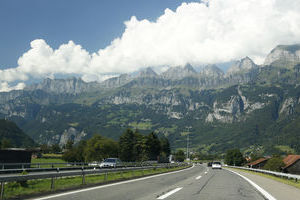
{"x": 258, "y": 161}
{"x": 290, "y": 160}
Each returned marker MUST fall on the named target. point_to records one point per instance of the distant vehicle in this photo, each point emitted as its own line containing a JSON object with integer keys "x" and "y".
{"x": 111, "y": 162}
{"x": 93, "y": 164}
{"x": 216, "y": 165}
{"x": 209, "y": 164}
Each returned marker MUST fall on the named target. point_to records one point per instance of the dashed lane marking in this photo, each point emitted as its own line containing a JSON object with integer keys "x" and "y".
{"x": 169, "y": 193}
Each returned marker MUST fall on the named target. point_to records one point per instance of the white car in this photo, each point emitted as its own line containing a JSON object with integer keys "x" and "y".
{"x": 111, "y": 162}
{"x": 216, "y": 165}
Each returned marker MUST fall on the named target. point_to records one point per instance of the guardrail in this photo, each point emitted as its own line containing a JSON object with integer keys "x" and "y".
{"x": 83, "y": 172}
{"x": 278, "y": 174}
{"x": 38, "y": 167}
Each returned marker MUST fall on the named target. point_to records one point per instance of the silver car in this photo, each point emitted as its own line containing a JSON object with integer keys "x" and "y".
{"x": 111, "y": 162}
{"x": 216, "y": 165}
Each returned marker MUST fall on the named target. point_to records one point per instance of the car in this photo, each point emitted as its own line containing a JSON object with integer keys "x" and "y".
{"x": 216, "y": 165}
{"x": 93, "y": 164}
{"x": 111, "y": 162}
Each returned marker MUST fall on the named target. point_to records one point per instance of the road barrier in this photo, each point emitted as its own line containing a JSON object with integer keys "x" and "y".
{"x": 278, "y": 174}
{"x": 4, "y": 178}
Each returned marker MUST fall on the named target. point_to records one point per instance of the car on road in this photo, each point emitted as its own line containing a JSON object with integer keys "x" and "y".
{"x": 216, "y": 165}
{"x": 111, "y": 162}
{"x": 93, "y": 164}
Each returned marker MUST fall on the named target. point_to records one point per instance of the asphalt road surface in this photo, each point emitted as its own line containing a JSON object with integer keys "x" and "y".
{"x": 198, "y": 182}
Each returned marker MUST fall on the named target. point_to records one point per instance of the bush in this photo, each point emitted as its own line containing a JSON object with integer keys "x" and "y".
{"x": 274, "y": 164}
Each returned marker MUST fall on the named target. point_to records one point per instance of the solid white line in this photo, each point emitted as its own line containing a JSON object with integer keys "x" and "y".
{"x": 197, "y": 178}
{"x": 169, "y": 193}
{"x": 113, "y": 184}
{"x": 261, "y": 190}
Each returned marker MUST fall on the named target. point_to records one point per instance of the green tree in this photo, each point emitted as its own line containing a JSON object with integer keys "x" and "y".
{"x": 98, "y": 148}
{"x": 234, "y": 157}
{"x": 153, "y": 146}
{"x": 76, "y": 153}
{"x": 45, "y": 148}
{"x": 55, "y": 148}
{"x": 5, "y": 143}
{"x": 140, "y": 147}
{"x": 179, "y": 156}
{"x": 127, "y": 146}
{"x": 69, "y": 144}
{"x": 274, "y": 164}
{"x": 165, "y": 146}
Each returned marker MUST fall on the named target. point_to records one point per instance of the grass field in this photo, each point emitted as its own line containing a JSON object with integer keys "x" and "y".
{"x": 282, "y": 180}
{"x": 18, "y": 190}
{"x": 44, "y": 162}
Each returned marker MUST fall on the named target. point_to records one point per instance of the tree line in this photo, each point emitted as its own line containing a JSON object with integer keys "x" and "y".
{"x": 131, "y": 147}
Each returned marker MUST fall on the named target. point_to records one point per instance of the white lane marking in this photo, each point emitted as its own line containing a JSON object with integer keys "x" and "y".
{"x": 197, "y": 178}
{"x": 113, "y": 184}
{"x": 169, "y": 193}
{"x": 261, "y": 190}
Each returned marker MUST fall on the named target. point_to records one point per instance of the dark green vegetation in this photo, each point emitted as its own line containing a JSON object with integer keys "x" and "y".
{"x": 33, "y": 187}
{"x": 274, "y": 164}
{"x": 234, "y": 157}
{"x": 12, "y": 136}
{"x": 132, "y": 147}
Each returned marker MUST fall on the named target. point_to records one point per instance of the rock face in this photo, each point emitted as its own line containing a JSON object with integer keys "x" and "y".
{"x": 212, "y": 71}
{"x": 63, "y": 86}
{"x": 147, "y": 73}
{"x": 70, "y": 134}
{"x": 117, "y": 81}
{"x": 242, "y": 66}
{"x": 241, "y": 72}
{"x": 177, "y": 73}
{"x": 284, "y": 55}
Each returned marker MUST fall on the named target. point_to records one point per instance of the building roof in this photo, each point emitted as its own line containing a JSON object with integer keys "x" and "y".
{"x": 257, "y": 161}
{"x": 290, "y": 160}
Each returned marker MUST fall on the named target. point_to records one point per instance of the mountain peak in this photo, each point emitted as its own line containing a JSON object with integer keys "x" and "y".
{"x": 179, "y": 72}
{"x": 243, "y": 65}
{"x": 189, "y": 68}
{"x": 284, "y": 55}
{"x": 212, "y": 70}
{"x": 147, "y": 72}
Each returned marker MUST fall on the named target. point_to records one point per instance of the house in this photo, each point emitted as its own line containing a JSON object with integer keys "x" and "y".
{"x": 292, "y": 164}
{"x": 258, "y": 164}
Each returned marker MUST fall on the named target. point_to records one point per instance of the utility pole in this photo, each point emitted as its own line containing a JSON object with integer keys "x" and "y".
{"x": 187, "y": 147}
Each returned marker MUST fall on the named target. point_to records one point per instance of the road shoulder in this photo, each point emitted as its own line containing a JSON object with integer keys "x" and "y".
{"x": 277, "y": 189}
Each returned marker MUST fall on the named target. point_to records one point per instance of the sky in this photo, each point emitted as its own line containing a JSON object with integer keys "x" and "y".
{"x": 97, "y": 39}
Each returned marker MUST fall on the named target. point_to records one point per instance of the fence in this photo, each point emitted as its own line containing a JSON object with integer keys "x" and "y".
{"x": 278, "y": 174}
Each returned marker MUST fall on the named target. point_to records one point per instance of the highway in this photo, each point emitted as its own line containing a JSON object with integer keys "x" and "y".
{"x": 198, "y": 182}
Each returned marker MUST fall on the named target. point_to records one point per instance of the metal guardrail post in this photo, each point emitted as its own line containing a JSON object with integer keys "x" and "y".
{"x": 105, "y": 177}
{"x": 2, "y": 190}
{"x": 52, "y": 183}
{"x": 83, "y": 176}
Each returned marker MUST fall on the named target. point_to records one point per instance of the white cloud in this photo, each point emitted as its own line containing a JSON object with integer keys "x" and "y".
{"x": 195, "y": 33}
{"x": 4, "y": 87}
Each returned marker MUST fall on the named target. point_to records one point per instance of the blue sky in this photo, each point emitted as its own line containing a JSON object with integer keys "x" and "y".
{"x": 92, "y": 23}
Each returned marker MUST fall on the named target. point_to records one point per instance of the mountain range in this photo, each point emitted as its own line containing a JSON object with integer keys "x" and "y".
{"x": 253, "y": 107}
